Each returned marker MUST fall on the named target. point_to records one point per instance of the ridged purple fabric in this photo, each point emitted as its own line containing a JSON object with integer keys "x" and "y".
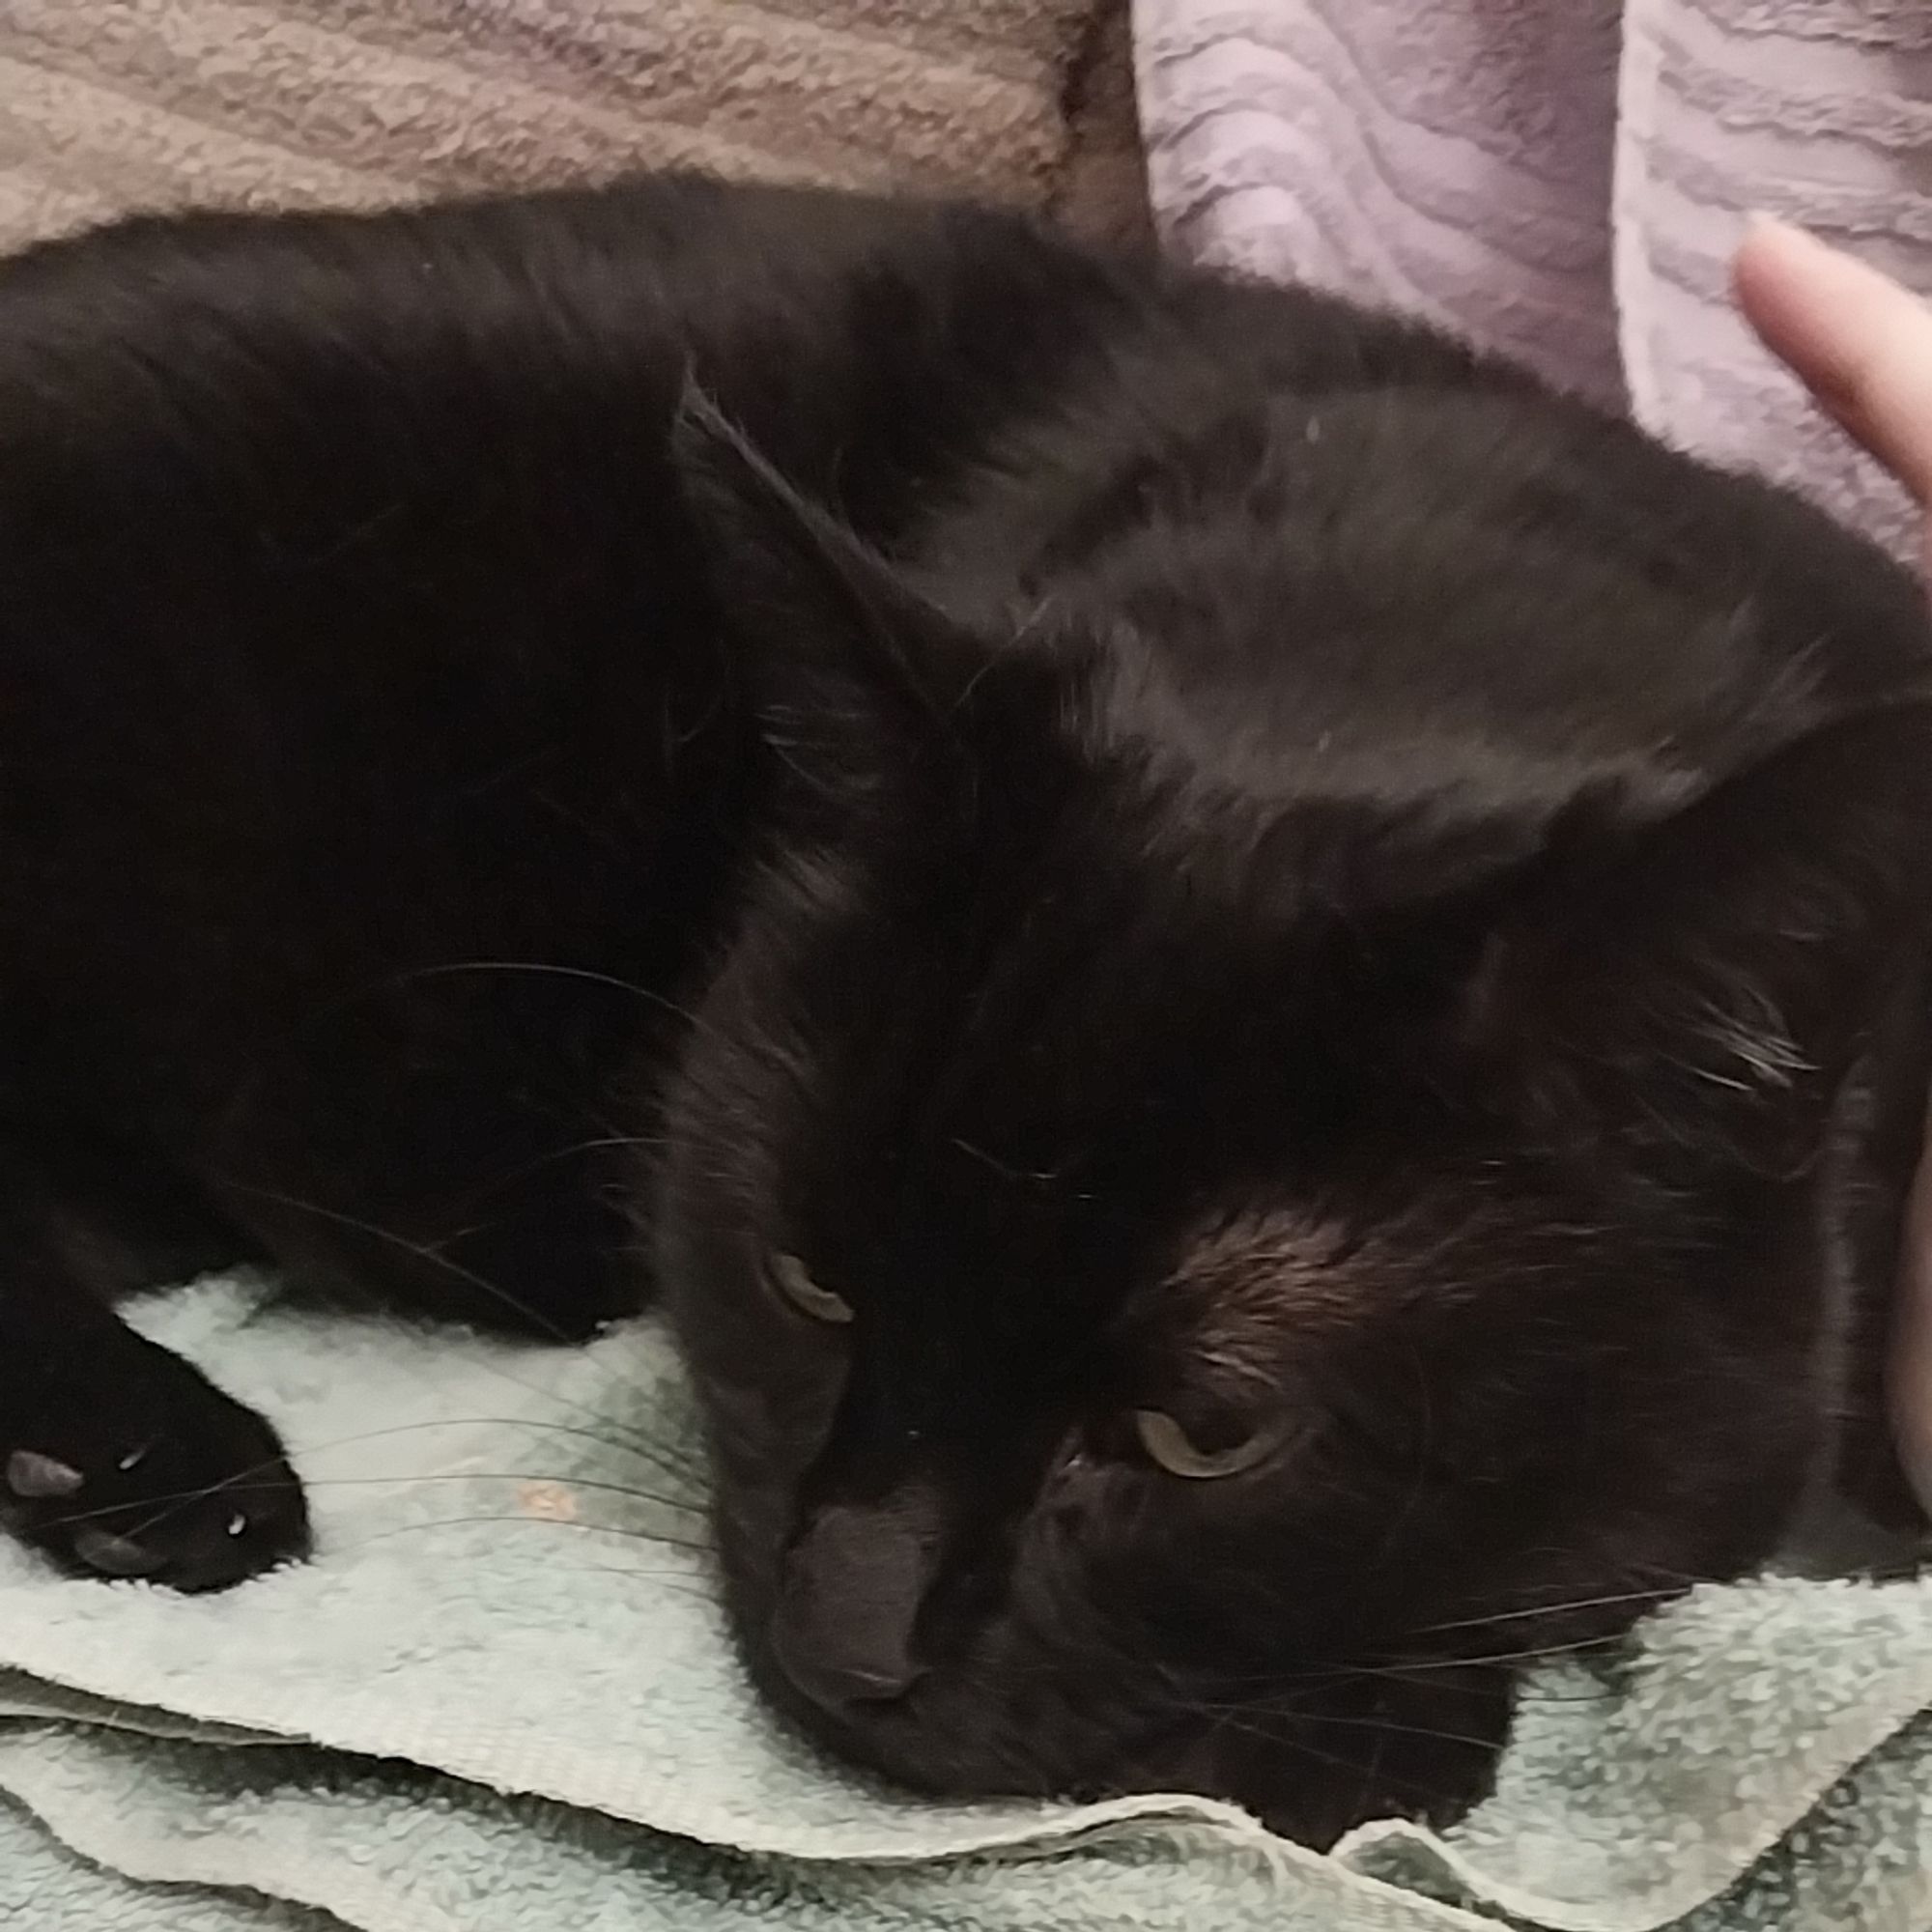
{"x": 1561, "y": 178}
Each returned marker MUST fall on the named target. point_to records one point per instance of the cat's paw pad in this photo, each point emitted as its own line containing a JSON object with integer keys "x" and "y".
{"x": 198, "y": 1499}
{"x": 33, "y": 1477}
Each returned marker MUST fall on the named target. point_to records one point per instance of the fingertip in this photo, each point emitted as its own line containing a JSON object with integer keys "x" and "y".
{"x": 1859, "y": 341}
{"x": 1759, "y": 221}
{"x": 1771, "y": 251}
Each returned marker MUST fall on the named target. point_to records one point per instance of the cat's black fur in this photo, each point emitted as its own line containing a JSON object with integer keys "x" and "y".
{"x": 1187, "y": 849}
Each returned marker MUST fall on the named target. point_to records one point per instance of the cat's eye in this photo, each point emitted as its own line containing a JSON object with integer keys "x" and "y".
{"x": 1170, "y": 1447}
{"x": 793, "y": 1281}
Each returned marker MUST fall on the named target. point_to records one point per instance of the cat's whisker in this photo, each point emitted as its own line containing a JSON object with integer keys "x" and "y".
{"x": 242, "y": 1481}
{"x": 656, "y": 1538}
{"x": 1520, "y": 1690}
{"x": 557, "y": 970}
{"x": 422, "y": 1250}
{"x": 1533, "y": 1654}
{"x": 1657, "y": 1594}
{"x": 1372, "y": 1773}
{"x": 685, "y": 1506}
{"x": 673, "y": 1583}
{"x": 1422, "y": 1670}
{"x": 165, "y": 1506}
{"x": 658, "y": 1455}
{"x": 576, "y": 1431}
{"x": 1347, "y": 1721}
{"x": 425, "y": 1252}
{"x": 602, "y": 1142}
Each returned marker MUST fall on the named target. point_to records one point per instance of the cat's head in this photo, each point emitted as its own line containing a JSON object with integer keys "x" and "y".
{"x": 1197, "y": 1259}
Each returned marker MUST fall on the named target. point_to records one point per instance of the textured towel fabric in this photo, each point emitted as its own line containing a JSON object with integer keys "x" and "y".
{"x": 1560, "y": 178}
{"x": 108, "y": 105}
{"x": 502, "y": 1697}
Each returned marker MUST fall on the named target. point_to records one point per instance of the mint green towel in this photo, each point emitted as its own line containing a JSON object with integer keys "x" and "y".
{"x": 502, "y": 1700}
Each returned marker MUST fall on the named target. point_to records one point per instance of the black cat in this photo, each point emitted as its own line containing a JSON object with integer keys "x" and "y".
{"x": 1248, "y": 985}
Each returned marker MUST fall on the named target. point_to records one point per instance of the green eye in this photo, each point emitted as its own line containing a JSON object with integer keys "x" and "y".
{"x": 1170, "y": 1447}
{"x": 793, "y": 1281}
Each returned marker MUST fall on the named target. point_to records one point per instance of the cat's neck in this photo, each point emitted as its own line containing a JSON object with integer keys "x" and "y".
{"x": 1909, "y": 1364}
{"x": 1868, "y": 1505}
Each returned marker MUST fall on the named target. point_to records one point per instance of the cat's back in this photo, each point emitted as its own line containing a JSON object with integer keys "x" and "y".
{"x": 1333, "y": 555}
{"x": 526, "y": 351}
{"x": 1340, "y": 551}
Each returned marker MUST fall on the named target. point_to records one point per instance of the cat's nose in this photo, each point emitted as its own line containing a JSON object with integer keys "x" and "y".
{"x": 841, "y": 1631}
{"x": 836, "y": 1675}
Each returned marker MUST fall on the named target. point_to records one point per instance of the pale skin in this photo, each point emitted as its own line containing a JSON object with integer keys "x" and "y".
{"x": 1862, "y": 345}
{"x": 1860, "y": 342}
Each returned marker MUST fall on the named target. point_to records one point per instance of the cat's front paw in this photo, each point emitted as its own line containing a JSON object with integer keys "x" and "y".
{"x": 158, "y": 1476}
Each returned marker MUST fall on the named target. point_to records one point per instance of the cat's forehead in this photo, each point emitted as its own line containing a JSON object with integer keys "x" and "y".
{"x": 1253, "y": 1263}
{"x": 1246, "y": 1286}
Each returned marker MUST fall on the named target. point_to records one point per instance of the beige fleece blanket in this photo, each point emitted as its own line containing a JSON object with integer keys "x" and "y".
{"x": 109, "y": 105}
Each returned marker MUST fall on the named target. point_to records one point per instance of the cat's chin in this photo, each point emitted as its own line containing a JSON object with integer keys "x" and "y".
{"x": 956, "y": 1736}
{"x": 994, "y": 1725}
{"x": 1308, "y": 1792}
{"x": 926, "y": 1740}
{"x": 952, "y": 1736}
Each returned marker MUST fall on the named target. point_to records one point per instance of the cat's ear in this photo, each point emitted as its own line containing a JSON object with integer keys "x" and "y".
{"x": 848, "y": 653}
{"x": 1701, "y": 983}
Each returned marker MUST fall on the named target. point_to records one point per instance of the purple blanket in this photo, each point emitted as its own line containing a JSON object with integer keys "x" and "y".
{"x": 1560, "y": 178}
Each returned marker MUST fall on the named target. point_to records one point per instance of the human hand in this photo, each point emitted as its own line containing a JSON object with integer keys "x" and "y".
{"x": 1860, "y": 342}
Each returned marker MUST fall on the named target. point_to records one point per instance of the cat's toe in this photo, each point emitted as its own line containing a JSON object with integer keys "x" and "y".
{"x": 33, "y": 1477}
{"x": 114, "y": 1556}
{"x": 197, "y": 1502}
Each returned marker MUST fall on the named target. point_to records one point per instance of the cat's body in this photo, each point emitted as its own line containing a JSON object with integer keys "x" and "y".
{"x": 1192, "y": 854}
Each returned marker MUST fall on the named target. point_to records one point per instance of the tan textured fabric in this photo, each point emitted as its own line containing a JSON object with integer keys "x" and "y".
{"x": 1102, "y": 190}
{"x": 108, "y": 105}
